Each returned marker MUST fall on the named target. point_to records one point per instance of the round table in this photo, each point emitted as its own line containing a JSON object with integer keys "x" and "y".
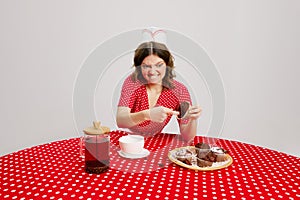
{"x": 56, "y": 171}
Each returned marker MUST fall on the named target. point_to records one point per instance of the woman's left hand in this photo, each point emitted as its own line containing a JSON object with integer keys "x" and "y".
{"x": 194, "y": 112}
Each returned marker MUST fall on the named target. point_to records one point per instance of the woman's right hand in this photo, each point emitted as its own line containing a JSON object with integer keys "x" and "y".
{"x": 160, "y": 113}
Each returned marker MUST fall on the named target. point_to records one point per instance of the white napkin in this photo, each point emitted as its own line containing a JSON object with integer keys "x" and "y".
{"x": 172, "y": 126}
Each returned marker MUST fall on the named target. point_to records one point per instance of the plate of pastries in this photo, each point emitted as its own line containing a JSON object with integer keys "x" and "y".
{"x": 201, "y": 157}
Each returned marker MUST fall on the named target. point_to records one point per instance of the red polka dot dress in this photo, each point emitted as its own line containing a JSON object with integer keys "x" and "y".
{"x": 134, "y": 96}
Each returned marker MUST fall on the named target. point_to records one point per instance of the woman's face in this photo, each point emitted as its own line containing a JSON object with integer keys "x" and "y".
{"x": 153, "y": 69}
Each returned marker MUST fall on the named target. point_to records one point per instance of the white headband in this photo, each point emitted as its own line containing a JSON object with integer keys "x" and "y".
{"x": 154, "y": 34}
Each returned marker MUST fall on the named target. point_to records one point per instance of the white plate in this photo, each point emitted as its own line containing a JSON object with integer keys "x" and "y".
{"x": 143, "y": 154}
{"x": 215, "y": 166}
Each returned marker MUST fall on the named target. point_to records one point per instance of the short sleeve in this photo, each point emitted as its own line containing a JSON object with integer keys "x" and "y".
{"x": 127, "y": 96}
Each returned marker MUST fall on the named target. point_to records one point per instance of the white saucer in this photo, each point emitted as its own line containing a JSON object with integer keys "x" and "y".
{"x": 143, "y": 154}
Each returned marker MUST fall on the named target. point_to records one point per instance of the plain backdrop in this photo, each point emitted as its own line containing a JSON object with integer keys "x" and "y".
{"x": 255, "y": 45}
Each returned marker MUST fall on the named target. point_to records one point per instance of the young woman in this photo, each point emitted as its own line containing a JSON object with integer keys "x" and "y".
{"x": 150, "y": 96}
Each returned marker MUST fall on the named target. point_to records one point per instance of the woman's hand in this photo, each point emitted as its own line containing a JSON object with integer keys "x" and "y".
{"x": 193, "y": 112}
{"x": 189, "y": 130}
{"x": 159, "y": 114}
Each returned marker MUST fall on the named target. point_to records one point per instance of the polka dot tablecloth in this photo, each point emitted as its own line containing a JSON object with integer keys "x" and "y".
{"x": 56, "y": 171}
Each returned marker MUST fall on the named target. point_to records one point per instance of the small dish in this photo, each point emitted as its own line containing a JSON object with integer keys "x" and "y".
{"x": 142, "y": 154}
{"x": 215, "y": 166}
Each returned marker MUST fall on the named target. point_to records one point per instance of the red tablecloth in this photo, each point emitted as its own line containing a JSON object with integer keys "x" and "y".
{"x": 56, "y": 171}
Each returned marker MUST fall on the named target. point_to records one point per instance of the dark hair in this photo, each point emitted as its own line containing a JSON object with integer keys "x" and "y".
{"x": 154, "y": 48}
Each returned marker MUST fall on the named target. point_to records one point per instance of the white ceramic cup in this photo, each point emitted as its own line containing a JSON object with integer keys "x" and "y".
{"x": 132, "y": 144}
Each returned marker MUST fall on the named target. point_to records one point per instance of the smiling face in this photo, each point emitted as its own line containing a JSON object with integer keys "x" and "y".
{"x": 153, "y": 69}
{"x": 148, "y": 58}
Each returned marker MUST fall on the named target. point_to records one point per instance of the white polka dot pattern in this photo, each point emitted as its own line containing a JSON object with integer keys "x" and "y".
{"x": 56, "y": 171}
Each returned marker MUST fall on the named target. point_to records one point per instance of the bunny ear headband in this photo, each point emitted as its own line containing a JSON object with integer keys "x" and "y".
{"x": 154, "y": 34}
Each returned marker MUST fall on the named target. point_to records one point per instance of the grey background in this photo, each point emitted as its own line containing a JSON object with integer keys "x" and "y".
{"x": 255, "y": 45}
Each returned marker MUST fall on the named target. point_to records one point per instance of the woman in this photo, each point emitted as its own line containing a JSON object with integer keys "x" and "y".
{"x": 150, "y": 96}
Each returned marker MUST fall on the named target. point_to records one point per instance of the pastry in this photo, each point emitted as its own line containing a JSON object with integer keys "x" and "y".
{"x": 203, "y": 163}
{"x": 183, "y": 108}
{"x": 202, "y": 155}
